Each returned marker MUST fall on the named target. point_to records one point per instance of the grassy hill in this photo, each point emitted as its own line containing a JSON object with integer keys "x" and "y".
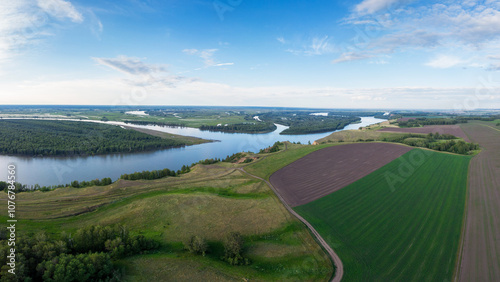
{"x": 210, "y": 201}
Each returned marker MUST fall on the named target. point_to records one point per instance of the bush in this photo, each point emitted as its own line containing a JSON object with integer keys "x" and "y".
{"x": 248, "y": 160}
{"x": 196, "y": 245}
{"x": 233, "y": 249}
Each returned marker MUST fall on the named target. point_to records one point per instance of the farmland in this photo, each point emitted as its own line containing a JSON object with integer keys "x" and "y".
{"x": 480, "y": 257}
{"x": 323, "y": 172}
{"x": 209, "y": 201}
{"x": 401, "y": 223}
{"x": 224, "y": 119}
{"x": 441, "y": 129}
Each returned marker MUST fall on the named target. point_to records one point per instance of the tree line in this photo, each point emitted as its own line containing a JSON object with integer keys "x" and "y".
{"x": 86, "y": 255}
{"x": 75, "y": 184}
{"x": 250, "y": 127}
{"x": 66, "y": 138}
{"x": 436, "y": 141}
{"x": 418, "y": 122}
{"x": 159, "y": 123}
{"x": 305, "y": 123}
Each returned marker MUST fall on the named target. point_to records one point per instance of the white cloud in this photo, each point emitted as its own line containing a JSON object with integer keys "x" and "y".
{"x": 373, "y": 6}
{"x": 351, "y": 56}
{"x": 25, "y": 23}
{"x": 18, "y": 20}
{"x": 190, "y": 51}
{"x": 142, "y": 74}
{"x": 314, "y": 46}
{"x": 382, "y": 27}
{"x": 60, "y": 9}
{"x": 320, "y": 46}
{"x": 281, "y": 39}
{"x": 119, "y": 91}
{"x": 208, "y": 57}
{"x": 128, "y": 65}
{"x": 444, "y": 62}
{"x": 223, "y": 64}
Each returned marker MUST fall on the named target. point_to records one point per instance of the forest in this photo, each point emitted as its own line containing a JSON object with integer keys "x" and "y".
{"x": 436, "y": 141}
{"x": 65, "y": 138}
{"x": 421, "y": 121}
{"x": 418, "y": 122}
{"x": 87, "y": 255}
{"x": 305, "y": 123}
{"x": 250, "y": 127}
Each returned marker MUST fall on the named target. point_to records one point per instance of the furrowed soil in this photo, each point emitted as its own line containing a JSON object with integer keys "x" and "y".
{"x": 327, "y": 170}
{"x": 480, "y": 258}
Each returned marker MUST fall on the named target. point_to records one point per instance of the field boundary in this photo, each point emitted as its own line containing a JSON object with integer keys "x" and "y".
{"x": 458, "y": 263}
{"x": 339, "y": 268}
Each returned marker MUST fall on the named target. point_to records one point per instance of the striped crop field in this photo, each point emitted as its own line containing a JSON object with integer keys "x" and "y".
{"x": 400, "y": 223}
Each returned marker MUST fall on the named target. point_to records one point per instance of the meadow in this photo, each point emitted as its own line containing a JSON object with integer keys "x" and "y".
{"x": 210, "y": 201}
{"x": 400, "y": 223}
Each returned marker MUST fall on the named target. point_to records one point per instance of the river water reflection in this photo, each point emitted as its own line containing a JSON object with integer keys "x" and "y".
{"x": 62, "y": 170}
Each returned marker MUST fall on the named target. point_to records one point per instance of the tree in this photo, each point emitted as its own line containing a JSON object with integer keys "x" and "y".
{"x": 82, "y": 267}
{"x": 197, "y": 245}
{"x": 233, "y": 249}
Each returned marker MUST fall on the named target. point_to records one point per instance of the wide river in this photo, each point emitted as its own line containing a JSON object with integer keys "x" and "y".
{"x": 63, "y": 170}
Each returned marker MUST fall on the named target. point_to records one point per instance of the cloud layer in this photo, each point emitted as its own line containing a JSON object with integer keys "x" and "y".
{"x": 387, "y": 26}
{"x": 24, "y": 23}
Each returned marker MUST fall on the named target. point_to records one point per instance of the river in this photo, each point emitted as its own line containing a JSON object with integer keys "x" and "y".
{"x": 63, "y": 170}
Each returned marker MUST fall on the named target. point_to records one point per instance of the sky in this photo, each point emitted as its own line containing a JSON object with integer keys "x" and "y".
{"x": 383, "y": 54}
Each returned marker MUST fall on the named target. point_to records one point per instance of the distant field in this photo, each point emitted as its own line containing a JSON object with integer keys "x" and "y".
{"x": 325, "y": 171}
{"x": 400, "y": 223}
{"x": 441, "y": 129}
{"x": 481, "y": 246}
{"x": 415, "y": 117}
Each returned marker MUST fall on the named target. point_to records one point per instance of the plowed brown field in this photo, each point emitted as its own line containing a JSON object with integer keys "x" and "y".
{"x": 480, "y": 259}
{"x": 441, "y": 129}
{"x": 327, "y": 170}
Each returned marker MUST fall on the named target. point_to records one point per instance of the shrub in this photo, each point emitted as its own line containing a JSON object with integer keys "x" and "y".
{"x": 233, "y": 249}
{"x": 196, "y": 245}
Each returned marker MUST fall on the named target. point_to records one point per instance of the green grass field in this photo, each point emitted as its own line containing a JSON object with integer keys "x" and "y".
{"x": 408, "y": 232}
{"x": 210, "y": 201}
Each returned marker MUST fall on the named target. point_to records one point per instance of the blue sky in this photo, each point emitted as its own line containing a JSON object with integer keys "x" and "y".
{"x": 330, "y": 54}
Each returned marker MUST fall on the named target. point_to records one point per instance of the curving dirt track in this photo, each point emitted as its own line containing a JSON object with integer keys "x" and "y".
{"x": 480, "y": 254}
{"x": 441, "y": 129}
{"x": 339, "y": 267}
{"x": 330, "y": 169}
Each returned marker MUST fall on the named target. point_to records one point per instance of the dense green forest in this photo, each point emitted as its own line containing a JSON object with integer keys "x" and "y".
{"x": 86, "y": 255}
{"x": 159, "y": 123}
{"x": 56, "y": 138}
{"x": 418, "y": 122}
{"x": 438, "y": 142}
{"x": 251, "y": 127}
{"x": 421, "y": 121}
{"x": 305, "y": 123}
